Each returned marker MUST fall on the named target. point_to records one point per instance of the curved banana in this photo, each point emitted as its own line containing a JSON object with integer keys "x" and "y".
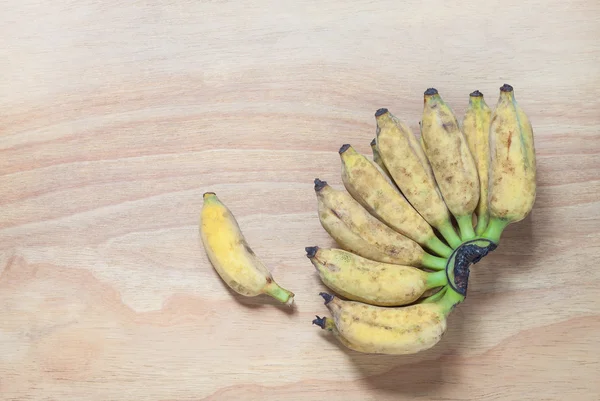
{"x": 476, "y": 127}
{"x": 357, "y": 231}
{"x": 232, "y": 257}
{"x": 369, "y": 186}
{"x": 375, "y": 283}
{"x": 512, "y": 178}
{"x": 387, "y": 330}
{"x": 405, "y": 160}
{"x": 451, "y": 161}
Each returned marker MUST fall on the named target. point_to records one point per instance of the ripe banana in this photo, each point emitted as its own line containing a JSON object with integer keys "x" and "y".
{"x": 369, "y": 186}
{"x": 357, "y": 231}
{"x": 512, "y": 177}
{"x": 451, "y": 161}
{"x": 405, "y": 160}
{"x": 375, "y": 283}
{"x": 476, "y": 127}
{"x": 232, "y": 257}
{"x": 388, "y": 330}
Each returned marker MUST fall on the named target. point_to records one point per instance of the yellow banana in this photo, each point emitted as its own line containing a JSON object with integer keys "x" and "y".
{"x": 476, "y": 127}
{"x": 451, "y": 161}
{"x": 370, "y": 187}
{"x": 405, "y": 160}
{"x": 512, "y": 178}
{"x": 357, "y": 231}
{"x": 232, "y": 257}
{"x": 388, "y": 330}
{"x": 375, "y": 283}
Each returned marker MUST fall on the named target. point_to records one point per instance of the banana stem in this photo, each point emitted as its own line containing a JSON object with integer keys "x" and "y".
{"x": 437, "y": 279}
{"x": 482, "y": 223}
{"x": 465, "y": 224}
{"x": 435, "y": 297}
{"x": 494, "y": 229}
{"x": 434, "y": 262}
{"x": 449, "y": 234}
{"x": 279, "y": 293}
{"x": 438, "y": 247}
{"x": 450, "y": 299}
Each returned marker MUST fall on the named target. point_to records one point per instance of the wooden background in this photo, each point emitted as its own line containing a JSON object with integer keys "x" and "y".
{"x": 115, "y": 117}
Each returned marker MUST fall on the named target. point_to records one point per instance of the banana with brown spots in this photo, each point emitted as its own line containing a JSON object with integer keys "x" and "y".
{"x": 375, "y": 283}
{"x": 476, "y": 127}
{"x": 357, "y": 231}
{"x": 369, "y": 185}
{"x": 451, "y": 161}
{"x": 388, "y": 330}
{"x": 404, "y": 158}
{"x": 512, "y": 177}
{"x": 232, "y": 257}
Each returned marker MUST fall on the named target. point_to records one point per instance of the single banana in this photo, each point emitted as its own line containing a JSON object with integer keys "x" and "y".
{"x": 388, "y": 330}
{"x": 375, "y": 283}
{"x": 369, "y": 186}
{"x": 512, "y": 178}
{"x": 357, "y": 231}
{"x": 451, "y": 161}
{"x": 405, "y": 160}
{"x": 232, "y": 257}
{"x": 476, "y": 127}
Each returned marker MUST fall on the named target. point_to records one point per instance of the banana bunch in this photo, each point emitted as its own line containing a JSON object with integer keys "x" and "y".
{"x": 405, "y": 222}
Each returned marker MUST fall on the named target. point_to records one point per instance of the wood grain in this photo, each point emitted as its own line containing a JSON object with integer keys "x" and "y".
{"x": 116, "y": 117}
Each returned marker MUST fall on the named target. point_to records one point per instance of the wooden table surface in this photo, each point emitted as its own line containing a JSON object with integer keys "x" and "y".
{"x": 115, "y": 117}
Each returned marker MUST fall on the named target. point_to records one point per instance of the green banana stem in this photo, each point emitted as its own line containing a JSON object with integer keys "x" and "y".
{"x": 436, "y": 279}
{"x": 279, "y": 293}
{"x": 434, "y": 262}
{"x": 450, "y": 299}
{"x": 465, "y": 224}
{"x": 435, "y": 297}
{"x": 438, "y": 247}
{"x": 494, "y": 229}
{"x": 482, "y": 223}
{"x": 450, "y": 235}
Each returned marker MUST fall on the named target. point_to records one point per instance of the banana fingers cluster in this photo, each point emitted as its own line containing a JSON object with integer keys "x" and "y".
{"x": 405, "y": 224}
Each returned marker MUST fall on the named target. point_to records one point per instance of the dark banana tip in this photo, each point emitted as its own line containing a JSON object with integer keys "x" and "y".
{"x": 476, "y": 94}
{"x": 319, "y": 185}
{"x": 204, "y": 195}
{"x": 381, "y": 112}
{"x": 373, "y": 142}
{"x": 431, "y": 92}
{"x": 327, "y": 297}
{"x": 319, "y": 321}
{"x": 344, "y": 148}
{"x": 311, "y": 251}
{"x": 506, "y": 88}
